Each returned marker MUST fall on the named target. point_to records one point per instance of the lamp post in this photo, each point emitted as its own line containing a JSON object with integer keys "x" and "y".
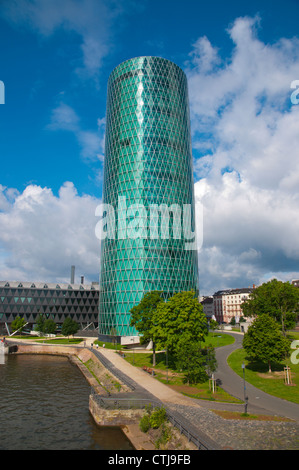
{"x": 167, "y": 364}
{"x": 166, "y": 350}
{"x": 244, "y": 384}
{"x": 132, "y": 339}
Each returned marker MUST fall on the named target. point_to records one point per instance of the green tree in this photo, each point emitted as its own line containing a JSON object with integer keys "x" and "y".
{"x": 190, "y": 358}
{"x": 39, "y": 326}
{"x": 69, "y": 327}
{"x": 278, "y": 299}
{"x": 213, "y": 325}
{"x": 265, "y": 342}
{"x": 18, "y": 323}
{"x": 180, "y": 319}
{"x": 49, "y": 326}
{"x": 142, "y": 316}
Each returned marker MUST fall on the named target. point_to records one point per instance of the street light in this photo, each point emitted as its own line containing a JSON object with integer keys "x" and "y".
{"x": 132, "y": 339}
{"x": 244, "y": 383}
{"x": 167, "y": 364}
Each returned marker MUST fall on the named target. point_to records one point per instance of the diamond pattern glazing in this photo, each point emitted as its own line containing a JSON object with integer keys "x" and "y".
{"x": 148, "y": 160}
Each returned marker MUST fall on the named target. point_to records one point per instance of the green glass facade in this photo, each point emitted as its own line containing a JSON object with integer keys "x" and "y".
{"x": 148, "y": 163}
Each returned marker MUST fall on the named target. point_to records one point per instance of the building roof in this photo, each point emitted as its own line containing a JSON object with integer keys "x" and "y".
{"x": 207, "y": 300}
{"x": 243, "y": 290}
{"x": 48, "y": 285}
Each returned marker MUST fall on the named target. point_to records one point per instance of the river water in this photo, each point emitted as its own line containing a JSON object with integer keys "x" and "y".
{"x": 44, "y": 406}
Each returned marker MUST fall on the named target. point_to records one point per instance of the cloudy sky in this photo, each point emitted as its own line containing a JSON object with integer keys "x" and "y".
{"x": 241, "y": 60}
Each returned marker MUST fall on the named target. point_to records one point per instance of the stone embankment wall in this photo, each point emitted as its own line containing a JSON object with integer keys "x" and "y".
{"x": 103, "y": 382}
{"x": 44, "y": 349}
{"x": 113, "y": 417}
{"x": 78, "y": 356}
{"x": 128, "y": 420}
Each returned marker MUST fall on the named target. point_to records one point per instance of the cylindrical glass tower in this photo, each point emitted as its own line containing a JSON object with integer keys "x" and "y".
{"x": 148, "y": 183}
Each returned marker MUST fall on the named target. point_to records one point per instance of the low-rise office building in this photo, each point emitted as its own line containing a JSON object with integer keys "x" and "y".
{"x": 53, "y": 300}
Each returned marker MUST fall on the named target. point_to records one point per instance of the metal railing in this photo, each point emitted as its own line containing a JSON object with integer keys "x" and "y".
{"x": 135, "y": 403}
{"x": 123, "y": 403}
{"x": 116, "y": 372}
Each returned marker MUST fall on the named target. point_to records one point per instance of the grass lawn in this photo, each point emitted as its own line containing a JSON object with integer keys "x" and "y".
{"x": 273, "y": 383}
{"x": 60, "y": 340}
{"x": 246, "y": 416}
{"x": 214, "y": 338}
{"x": 108, "y": 345}
{"x": 217, "y": 339}
{"x": 174, "y": 378}
{"x": 46, "y": 339}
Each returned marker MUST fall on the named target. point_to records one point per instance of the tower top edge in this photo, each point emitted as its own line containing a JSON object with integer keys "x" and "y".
{"x": 132, "y": 59}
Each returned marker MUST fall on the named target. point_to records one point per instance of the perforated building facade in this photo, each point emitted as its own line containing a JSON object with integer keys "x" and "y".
{"x": 148, "y": 166}
{"x": 56, "y": 301}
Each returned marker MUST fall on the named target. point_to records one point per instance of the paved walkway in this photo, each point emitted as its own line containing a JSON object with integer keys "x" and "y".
{"x": 231, "y": 434}
{"x": 234, "y": 434}
{"x": 258, "y": 401}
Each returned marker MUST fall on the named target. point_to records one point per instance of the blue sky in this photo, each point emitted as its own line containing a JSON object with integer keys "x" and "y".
{"x": 240, "y": 59}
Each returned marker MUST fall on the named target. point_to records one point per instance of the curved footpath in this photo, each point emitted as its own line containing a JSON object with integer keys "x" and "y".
{"x": 228, "y": 434}
{"x": 258, "y": 401}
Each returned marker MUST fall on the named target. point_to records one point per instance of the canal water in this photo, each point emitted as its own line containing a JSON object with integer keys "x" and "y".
{"x": 44, "y": 406}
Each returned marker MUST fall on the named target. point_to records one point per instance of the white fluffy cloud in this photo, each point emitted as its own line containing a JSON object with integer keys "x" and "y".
{"x": 91, "y": 20}
{"x": 42, "y": 235}
{"x": 91, "y": 142}
{"x": 246, "y": 140}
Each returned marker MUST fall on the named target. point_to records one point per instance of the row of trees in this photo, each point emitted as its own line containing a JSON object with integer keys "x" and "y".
{"x": 179, "y": 327}
{"x": 275, "y": 307}
{"x": 279, "y": 300}
{"x": 47, "y": 325}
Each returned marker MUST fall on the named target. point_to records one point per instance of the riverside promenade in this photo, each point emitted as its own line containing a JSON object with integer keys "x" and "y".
{"x": 200, "y": 415}
{"x": 225, "y": 433}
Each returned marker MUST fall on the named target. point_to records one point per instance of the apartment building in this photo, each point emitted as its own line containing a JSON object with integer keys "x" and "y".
{"x": 227, "y": 304}
{"x": 207, "y": 304}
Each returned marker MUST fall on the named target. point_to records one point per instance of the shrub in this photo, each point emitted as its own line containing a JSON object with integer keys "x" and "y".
{"x": 164, "y": 437}
{"x": 144, "y": 424}
{"x": 152, "y": 419}
{"x": 157, "y": 417}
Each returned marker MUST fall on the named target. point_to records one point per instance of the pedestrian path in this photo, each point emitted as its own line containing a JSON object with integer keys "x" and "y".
{"x": 152, "y": 385}
{"x": 258, "y": 401}
{"x": 200, "y": 414}
{"x": 233, "y": 434}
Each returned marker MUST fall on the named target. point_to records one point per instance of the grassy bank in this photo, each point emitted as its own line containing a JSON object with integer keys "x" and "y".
{"x": 273, "y": 382}
{"x": 47, "y": 340}
{"x": 174, "y": 378}
{"x": 60, "y": 340}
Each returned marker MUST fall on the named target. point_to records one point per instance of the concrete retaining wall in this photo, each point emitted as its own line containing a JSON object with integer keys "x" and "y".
{"x": 113, "y": 417}
{"x": 45, "y": 349}
{"x": 127, "y": 420}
